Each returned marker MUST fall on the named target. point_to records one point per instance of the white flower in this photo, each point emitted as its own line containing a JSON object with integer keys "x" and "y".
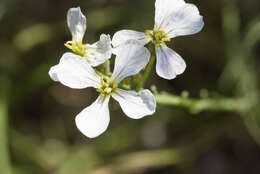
{"x": 96, "y": 53}
{"x": 172, "y": 18}
{"x": 75, "y": 72}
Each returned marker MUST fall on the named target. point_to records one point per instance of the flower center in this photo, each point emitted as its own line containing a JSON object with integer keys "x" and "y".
{"x": 158, "y": 37}
{"x": 77, "y": 47}
{"x": 107, "y": 87}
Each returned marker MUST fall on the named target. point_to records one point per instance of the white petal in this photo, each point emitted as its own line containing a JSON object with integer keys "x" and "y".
{"x": 122, "y": 36}
{"x": 186, "y": 21}
{"x": 75, "y": 72}
{"x": 169, "y": 64}
{"x": 135, "y": 105}
{"x": 100, "y": 51}
{"x": 163, "y": 8}
{"x": 131, "y": 58}
{"x": 94, "y": 119}
{"x": 53, "y": 73}
{"x": 77, "y": 23}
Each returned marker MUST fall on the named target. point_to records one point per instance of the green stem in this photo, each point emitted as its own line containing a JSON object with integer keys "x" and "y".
{"x": 204, "y": 104}
{"x": 147, "y": 71}
{"x": 4, "y": 151}
{"x": 107, "y": 68}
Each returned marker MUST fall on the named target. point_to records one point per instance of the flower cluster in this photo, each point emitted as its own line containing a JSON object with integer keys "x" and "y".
{"x": 80, "y": 68}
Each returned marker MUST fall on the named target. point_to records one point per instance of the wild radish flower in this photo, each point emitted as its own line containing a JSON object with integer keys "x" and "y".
{"x": 75, "y": 72}
{"x": 96, "y": 53}
{"x": 172, "y": 18}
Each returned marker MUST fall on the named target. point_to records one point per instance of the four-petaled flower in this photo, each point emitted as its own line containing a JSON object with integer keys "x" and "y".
{"x": 172, "y": 18}
{"x": 75, "y": 72}
{"x": 96, "y": 53}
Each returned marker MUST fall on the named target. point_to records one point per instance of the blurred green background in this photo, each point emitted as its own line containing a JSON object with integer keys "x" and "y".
{"x": 208, "y": 125}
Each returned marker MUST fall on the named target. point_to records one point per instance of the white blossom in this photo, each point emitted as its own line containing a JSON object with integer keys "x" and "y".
{"x": 172, "y": 18}
{"x": 96, "y": 53}
{"x": 75, "y": 72}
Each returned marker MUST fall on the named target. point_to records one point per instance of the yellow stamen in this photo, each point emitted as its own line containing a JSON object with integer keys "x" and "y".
{"x": 77, "y": 47}
{"x": 158, "y": 37}
{"x": 107, "y": 87}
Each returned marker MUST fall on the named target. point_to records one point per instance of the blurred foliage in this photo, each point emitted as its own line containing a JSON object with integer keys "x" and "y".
{"x": 207, "y": 119}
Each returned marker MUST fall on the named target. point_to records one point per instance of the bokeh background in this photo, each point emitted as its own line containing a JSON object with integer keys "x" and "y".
{"x": 220, "y": 135}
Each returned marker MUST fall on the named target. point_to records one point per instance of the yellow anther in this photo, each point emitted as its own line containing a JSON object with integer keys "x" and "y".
{"x": 77, "y": 47}
{"x": 108, "y": 90}
{"x": 158, "y": 37}
{"x": 69, "y": 44}
{"x": 107, "y": 87}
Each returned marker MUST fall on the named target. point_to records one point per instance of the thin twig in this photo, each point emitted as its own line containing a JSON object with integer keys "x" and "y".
{"x": 203, "y": 104}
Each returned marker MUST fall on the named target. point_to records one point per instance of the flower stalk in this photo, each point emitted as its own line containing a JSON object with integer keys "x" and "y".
{"x": 107, "y": 68}
{"x": 148, "y": 69}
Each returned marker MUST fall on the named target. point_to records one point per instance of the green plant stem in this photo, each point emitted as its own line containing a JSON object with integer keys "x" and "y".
{"x": 5, "y": 166}
{"x": 203, "y": 104}
{"x": 147, "y": 72}
{"x": 107, "y": 67}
